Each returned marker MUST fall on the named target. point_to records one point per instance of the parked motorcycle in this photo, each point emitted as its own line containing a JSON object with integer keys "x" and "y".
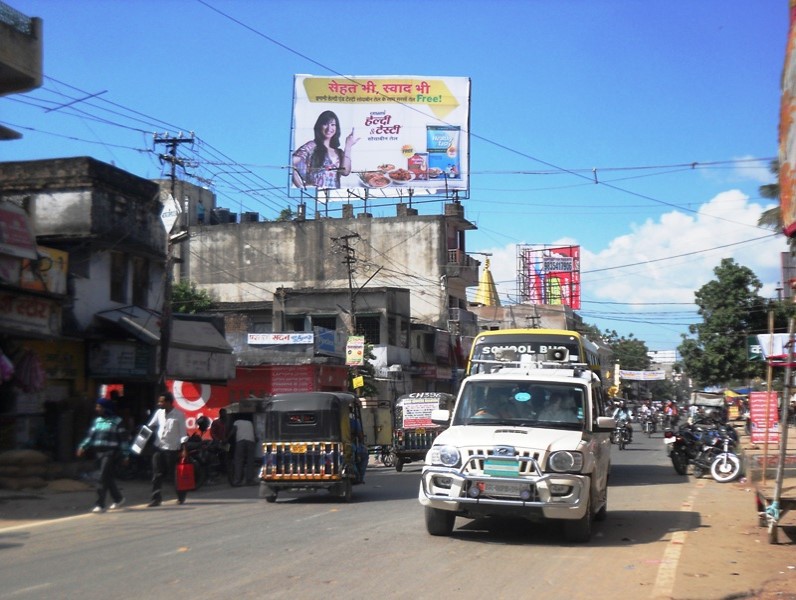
{"x": 726, "y": 466}
{"x": 701, "y": 444}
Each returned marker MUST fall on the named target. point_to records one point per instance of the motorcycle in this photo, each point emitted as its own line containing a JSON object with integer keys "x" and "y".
{"x": 700, "y": 444}
{"x": 726, "y": 466}
{"x": 649, "y": 425}
{"x": 622, "y": 435}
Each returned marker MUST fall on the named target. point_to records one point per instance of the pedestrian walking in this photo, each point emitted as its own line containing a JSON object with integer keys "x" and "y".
{"x": 106, "y": 438}
{"x": 243, "y": 430}
{"x": 218, "y": 432}
{"x": 171, "y": 437}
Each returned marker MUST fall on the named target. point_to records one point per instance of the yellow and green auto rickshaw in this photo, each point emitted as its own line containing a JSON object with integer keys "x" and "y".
{"x": 311, "y": 443}
{"x": 413, "y": 432}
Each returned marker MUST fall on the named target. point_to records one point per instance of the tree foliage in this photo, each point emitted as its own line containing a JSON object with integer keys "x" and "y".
{"x": 186, "y": 298}
{"x": 772, "y": 217}
{"x": 731, "y": 309}
{"x": 368, "y": 372}
{"x": 630, "y": 352}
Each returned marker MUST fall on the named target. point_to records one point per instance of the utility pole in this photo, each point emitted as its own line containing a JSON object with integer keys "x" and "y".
{"x": 349, "y": 260}
{"x": 171, "y": 144}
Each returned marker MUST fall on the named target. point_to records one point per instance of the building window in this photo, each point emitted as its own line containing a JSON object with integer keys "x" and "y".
{"x": 140, "y": 281}
{"x": 118, "y": 277}
{"x": 369, "y": 327}
{"x": 325, "y": 322}
{"x": 261, "y": 326}
{"x": 295, "y": 323}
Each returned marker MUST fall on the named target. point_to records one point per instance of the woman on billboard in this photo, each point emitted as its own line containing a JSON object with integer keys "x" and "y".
{"x": 320, "y": 163}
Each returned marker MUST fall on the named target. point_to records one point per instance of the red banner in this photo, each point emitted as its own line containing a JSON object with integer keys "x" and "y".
{"x": 762, "y": 405}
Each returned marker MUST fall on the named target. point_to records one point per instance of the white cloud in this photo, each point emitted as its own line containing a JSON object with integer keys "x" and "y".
{"x": 756, "y": 170}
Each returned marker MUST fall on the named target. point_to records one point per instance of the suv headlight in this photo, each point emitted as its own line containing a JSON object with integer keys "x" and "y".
{"x": 565, "y": 461}
{"x": 447, "y": 456}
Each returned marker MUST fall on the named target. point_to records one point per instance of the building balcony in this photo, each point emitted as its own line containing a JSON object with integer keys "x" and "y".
{"x": 461, "y": 265}
{"x": 20, "y": 51}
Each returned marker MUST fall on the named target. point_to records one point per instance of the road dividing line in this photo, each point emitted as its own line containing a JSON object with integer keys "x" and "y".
{"x": 664, "y": 582}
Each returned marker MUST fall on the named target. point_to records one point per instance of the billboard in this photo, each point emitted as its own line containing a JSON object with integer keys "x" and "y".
{"x": 380, "y": 136}
{"x": 549, "y": 275}
{"x": 787, "y": 132}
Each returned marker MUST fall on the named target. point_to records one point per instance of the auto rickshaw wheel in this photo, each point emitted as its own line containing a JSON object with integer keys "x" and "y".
{"x": 271, "y": 499}
{"x": 399, "y": 464}
{"x": 343, "y": 490}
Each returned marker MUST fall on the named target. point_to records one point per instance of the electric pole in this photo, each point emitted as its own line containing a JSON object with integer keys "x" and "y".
{"x": 349, "y": 260}
{"x": 171, "y": 144}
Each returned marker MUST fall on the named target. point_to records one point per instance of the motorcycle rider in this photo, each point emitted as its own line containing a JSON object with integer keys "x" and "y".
{"x": 622, "y": 413}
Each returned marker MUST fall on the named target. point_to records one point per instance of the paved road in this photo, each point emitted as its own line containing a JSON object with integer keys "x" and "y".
{"x": 666, "y": 536}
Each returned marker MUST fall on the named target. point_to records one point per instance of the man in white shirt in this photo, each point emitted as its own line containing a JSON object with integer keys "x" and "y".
{"x": 171, "y": 435}
{"x": 243, "y": 430}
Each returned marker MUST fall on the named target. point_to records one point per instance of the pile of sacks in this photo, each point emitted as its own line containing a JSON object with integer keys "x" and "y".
{"x": 34, "y": 470}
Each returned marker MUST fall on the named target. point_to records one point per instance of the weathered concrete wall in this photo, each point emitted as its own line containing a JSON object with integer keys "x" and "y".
{"x": 247, "y": 262}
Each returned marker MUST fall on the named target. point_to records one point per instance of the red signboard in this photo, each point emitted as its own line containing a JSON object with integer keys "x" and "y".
{"x": 198, "y": 399}
{"x": 762, "y": 405}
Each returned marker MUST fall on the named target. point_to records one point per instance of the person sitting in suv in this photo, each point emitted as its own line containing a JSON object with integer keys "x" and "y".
{"x": 559, "y": 408}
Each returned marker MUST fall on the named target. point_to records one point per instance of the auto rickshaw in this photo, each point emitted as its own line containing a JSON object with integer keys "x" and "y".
{"x": 413, "y": 431}
{"x": 310, "y": 444}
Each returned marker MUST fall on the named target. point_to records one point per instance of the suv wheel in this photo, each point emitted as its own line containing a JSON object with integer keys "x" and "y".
{"x": 439, "y": 522}
{"x": 579, "y": 531}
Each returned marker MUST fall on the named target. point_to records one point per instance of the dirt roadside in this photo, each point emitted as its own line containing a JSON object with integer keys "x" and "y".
{"x": 728, "y": 555}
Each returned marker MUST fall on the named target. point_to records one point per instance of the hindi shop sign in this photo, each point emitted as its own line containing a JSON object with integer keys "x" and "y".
{"x": 280, "y": 339}
{"x": 762, "y": 404}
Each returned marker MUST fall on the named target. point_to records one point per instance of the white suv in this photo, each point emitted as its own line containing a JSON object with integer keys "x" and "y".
{"x": 528, "y": 441}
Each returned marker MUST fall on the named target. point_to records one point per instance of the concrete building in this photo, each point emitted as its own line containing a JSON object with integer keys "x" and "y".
{"x": 20, "y": 56}
{"x": 96, "y": 287}
{"x": 405, "y": 278}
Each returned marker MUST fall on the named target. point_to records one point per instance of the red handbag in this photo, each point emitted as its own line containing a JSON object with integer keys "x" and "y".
{"x": 184, "y": 477}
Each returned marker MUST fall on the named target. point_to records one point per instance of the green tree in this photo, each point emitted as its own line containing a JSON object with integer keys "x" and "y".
{"x": 630, "y": 352}
{"x": 772, "y": 217}
{"x": 186, "y": 298}
{"x": 731, "y": 309}
{"x": 368, "y": 372}
{"x": 286, "y": 214}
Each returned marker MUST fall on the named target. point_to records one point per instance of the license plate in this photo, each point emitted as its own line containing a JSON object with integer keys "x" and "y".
{"x": 669, "y": 440}
{"x": 504, "y": 489}
{"x": 502, "y": 467}
{"x": 298, "y": 448}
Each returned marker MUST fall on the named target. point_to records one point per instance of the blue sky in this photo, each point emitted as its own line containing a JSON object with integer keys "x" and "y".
{"x": 673, "y": 104}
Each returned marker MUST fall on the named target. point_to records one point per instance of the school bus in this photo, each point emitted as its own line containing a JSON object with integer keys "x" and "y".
{"x": 535, "y": 341}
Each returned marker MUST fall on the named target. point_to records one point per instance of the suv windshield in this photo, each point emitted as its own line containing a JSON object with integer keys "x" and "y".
{"x": 521, "y": 403}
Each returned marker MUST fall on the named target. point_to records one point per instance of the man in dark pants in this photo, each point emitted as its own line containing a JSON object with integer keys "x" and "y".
{"x": 106, "y": 438}
{"x": 171, "y": 434}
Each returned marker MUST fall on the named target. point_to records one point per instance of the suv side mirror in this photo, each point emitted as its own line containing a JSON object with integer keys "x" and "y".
{"x": 606, "y": 424}
{"x": 440, "y": 416}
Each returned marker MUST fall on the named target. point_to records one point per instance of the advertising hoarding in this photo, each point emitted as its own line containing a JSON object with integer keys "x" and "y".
{"x": 389, "y": 135}
{"x": 787, "y": 132}
{"x": 549, "y": 275}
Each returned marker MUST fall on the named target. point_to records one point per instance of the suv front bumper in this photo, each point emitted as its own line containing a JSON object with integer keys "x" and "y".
{"x": 549, "y": 495}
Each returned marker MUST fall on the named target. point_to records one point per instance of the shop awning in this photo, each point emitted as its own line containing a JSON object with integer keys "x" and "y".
{"x": 197, "y": 351}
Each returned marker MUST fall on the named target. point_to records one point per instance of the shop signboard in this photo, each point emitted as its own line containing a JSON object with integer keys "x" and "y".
{"x": 762, "y": 405}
